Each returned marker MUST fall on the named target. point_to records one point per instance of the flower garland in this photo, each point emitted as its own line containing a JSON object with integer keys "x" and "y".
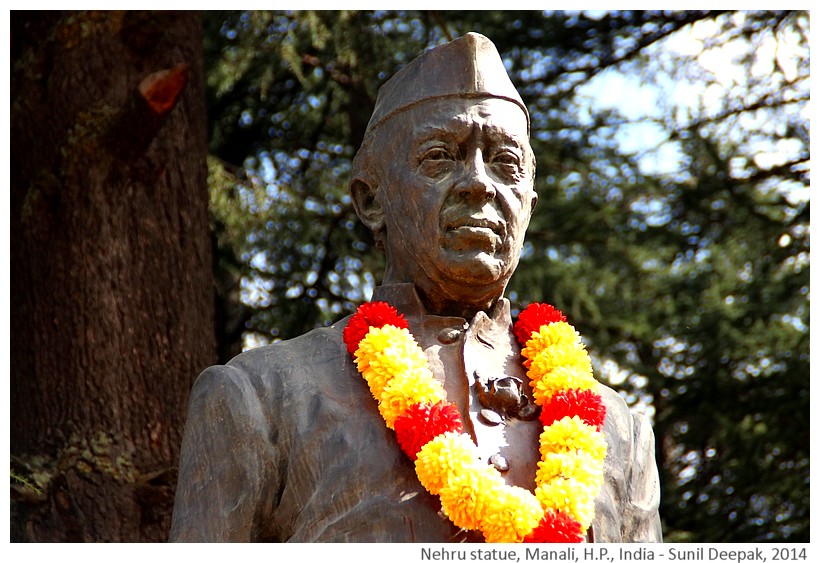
{"x": 429, "y": 429}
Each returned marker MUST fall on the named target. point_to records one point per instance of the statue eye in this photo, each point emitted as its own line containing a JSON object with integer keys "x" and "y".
{"x": 507, "y": 163}
{"x": 437, "y": 154}
{"x": 436, "y": 161}
{"x": 507, "y": 158}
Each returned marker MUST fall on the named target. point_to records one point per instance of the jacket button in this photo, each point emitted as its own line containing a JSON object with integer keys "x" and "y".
{"x": 500, "y": 463}
{"x": 449, "y": 335}
{"x": 490, "y": 417}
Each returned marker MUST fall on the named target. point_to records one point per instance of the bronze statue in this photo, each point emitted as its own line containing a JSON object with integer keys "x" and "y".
{"x": 285, "y": 443}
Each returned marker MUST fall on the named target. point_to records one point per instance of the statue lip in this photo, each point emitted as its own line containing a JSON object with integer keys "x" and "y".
{"x": 476, "y": 221}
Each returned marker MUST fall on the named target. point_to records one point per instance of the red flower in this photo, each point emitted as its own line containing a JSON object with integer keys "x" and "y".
{"x": 422, "y": 422}
{"x": 556, "y": 527}
{"x": 376, "y": 313}
{"x": 532, "y": 318}
{"x": 586, "y": 404}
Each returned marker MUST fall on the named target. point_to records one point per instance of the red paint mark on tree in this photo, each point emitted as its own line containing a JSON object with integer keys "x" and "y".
{"x": 162, "y": 89}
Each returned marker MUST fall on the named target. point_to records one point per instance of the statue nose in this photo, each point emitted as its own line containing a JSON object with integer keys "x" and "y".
{"x": 474, "y": 183}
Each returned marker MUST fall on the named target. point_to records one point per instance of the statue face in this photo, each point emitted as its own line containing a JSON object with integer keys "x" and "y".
{"x": 457, "y": 196}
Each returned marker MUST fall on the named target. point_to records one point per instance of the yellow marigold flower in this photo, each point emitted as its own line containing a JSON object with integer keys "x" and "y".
{"x": 554, "y": 334}
{"x": 570, "y": 496}
{"x": 566, "y": 356}
{"x": 376, "y": 380}
{"x": 511, "y": 514}
{"x": 407, "y": 388}
{"x": 386, "y": 351}
{"x": 469, "y": 493}
{"x": 562, "y": 378}
{"x": 571, "y": 435}
{"x": 578, "y": 465}
{"x": 442, "y": 457}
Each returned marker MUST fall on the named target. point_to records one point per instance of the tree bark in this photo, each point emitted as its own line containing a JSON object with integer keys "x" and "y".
{"x": 111, "y": 285}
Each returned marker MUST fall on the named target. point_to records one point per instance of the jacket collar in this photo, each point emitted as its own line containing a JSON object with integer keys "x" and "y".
{"x": 489, "y": 326}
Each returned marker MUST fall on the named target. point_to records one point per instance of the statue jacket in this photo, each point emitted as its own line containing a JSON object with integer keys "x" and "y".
{"x": 286, "y": 444}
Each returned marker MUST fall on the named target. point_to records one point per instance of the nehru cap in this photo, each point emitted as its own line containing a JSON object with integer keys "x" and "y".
{"x": 468, "y": 67}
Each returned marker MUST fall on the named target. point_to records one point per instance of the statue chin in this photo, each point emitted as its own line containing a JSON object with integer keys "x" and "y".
{"x": 476, "y": 268}
{"x": 469, "y": 272}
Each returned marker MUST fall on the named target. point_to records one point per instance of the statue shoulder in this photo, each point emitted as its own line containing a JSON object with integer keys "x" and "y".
{"x": 615, "y": 403}
{"x": 294, "y": 364}
{"x": 317, "y": 346}
{"x": 620, "y": 419}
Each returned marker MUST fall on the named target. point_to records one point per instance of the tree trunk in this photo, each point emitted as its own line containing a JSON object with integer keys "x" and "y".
{"x": 112, "y": 292}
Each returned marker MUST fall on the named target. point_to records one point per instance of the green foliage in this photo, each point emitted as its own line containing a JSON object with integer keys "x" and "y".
{"x": 19, "y": 479}
{"x": 683, "y": 258}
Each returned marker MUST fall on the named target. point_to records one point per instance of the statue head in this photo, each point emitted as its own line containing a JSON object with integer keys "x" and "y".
{"x": 445, "y": 176}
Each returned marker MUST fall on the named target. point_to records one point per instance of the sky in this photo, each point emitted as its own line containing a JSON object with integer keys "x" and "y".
{"x": 641, "y": 102}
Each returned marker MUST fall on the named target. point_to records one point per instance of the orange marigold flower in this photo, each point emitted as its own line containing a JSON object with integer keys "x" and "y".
{"x": 534, "y": 317}
{"x": 375, "y": 314}
{"x": 556, "y": 527}
{"x": 584, "y": 403}
{"x": 408, "y": 388}
{"x": 422, "y": 422}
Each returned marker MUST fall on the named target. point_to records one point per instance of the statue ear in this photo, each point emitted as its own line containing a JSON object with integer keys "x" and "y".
{"x": 367, "y": 205}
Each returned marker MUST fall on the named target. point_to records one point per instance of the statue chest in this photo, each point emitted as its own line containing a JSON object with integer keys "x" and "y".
{"x": 480, "y": 367}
